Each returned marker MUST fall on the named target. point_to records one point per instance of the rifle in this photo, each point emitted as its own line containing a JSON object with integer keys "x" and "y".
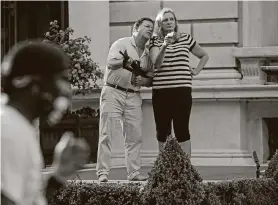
{"x": 135, "y": 65}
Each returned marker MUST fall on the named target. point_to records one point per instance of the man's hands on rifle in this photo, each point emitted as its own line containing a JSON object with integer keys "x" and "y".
{"x": 128, "y": 64}
{"x": 127, "y": 61}
{"x": 131, "y": 65}
{"x": 141, "y": 81}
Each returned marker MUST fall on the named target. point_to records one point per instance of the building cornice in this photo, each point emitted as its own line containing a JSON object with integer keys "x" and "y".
{"x": 213, "y": 92}
{"x": 256, "y": 52}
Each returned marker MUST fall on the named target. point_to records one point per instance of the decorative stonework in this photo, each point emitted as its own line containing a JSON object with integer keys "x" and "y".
{"x": 251, "y": 70}
{"x": 251, "y": 61}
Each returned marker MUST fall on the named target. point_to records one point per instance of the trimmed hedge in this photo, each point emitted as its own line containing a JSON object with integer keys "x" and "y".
{"x": 241, "y": 192}
{"x": 173, "y": 180}
{"x": 80, "y": 193}
{"x": 272, "y": 166}
{"x": 245, "y": 191}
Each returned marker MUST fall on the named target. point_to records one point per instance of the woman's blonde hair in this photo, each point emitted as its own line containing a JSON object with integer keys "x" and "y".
{"x": 158, "y": 23}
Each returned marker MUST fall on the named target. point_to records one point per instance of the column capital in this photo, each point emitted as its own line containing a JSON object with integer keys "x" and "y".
{"x": 251, "y": 70}
{"x": 251, "y": 61}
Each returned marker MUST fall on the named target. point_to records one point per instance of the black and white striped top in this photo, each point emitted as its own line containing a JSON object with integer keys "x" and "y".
{"x": 174, "y": 71}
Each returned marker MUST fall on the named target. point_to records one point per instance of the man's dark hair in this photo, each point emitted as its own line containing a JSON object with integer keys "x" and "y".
{"x": 33, "y": 59}
{"x": 37, "y": 58}
{"x": 140, "y": 21}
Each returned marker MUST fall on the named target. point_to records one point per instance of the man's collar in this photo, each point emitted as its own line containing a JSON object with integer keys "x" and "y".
{"x": 132, "y": 40}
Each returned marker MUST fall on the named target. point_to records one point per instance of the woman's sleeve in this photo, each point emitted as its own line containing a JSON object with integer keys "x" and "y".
{"x": 192, "y": 42}
{"x": 154, "y": 42}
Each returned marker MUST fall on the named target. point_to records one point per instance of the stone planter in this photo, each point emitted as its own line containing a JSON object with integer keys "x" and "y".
{"x": 84, "y": 127}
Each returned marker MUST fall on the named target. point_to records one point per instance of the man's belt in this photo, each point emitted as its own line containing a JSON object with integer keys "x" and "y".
{"x": 121, "y": 88}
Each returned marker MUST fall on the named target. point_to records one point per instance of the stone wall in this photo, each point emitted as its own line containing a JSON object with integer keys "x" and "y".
{"x": 213, "y": 24}
{"x": 239, "y": 36}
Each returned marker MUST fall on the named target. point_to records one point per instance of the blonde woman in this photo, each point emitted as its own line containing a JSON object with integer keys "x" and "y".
{"x": 172, "y": 100}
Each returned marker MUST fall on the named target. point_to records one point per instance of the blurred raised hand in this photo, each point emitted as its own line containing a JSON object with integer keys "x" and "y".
{"x": 70, "y": 155}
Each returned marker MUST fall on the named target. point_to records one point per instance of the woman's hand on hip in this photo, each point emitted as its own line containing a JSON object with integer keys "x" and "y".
{"x": 193, "y": 71}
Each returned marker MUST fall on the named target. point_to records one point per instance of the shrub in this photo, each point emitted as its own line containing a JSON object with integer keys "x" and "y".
{"x": 272, "y": 166}
{"x": 241, "y": 192}
{"x": 80, "y": 193}
{"x": 84, "y": 72}
{"x": 173, "y": 180}
{"x": 211, "y": 197}
{"x": 246, "y": 191}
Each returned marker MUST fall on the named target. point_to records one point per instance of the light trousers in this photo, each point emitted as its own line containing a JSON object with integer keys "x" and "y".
{"x": 120, "y": 116}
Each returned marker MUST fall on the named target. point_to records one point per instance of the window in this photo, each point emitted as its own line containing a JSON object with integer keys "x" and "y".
{"x": 22, "y": 20}
{"x": 272, "y": 135}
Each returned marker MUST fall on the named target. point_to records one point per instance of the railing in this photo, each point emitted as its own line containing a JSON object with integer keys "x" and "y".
{"x": 259, "y": 173}
{"x": 86, "y": 128}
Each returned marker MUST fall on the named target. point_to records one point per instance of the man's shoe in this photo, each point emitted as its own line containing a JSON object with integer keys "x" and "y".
{"x": 103, "y": 178}
{"x": 139, "y": 177}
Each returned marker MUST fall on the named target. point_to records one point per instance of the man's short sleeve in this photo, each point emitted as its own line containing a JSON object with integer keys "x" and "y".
{"x": 14, "y": 166}
{"x": 114, "y": 51}
{"x": 192, "y": 42}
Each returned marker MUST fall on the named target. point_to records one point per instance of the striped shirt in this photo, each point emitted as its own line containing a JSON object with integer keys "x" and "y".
{"x": 174, "y": 71}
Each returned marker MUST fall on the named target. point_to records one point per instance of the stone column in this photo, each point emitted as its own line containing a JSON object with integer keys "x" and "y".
{"x": 91, "y": 18}
{"x": 259, "y": 21}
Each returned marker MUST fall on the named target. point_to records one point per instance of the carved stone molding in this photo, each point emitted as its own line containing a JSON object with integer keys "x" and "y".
{"x": 251, "y": 70}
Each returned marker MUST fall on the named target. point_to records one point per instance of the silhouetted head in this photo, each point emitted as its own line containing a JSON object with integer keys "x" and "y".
{"x": 36, "y": 74}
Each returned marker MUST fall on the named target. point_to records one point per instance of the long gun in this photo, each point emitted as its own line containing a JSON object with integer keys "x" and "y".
{"x": 135, "y": 65}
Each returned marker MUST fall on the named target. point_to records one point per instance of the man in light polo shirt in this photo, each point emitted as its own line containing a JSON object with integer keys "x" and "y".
{"x": 120, "y": 101}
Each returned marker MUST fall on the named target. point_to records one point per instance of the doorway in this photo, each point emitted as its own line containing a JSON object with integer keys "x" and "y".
{"x": 272, "y": 125}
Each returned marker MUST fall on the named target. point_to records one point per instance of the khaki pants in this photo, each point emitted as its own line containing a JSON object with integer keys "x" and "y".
{"x": 120, "y": 115}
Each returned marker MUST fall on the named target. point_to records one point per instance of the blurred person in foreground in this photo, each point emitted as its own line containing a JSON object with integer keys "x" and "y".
{"x": 35, "y": 79}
